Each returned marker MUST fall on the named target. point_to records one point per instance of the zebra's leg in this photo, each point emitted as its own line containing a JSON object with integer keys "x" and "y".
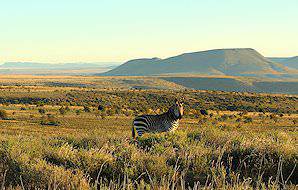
{"x": 140, "y": 132}
{"x": 133, "y": 133}
{"x": 140, "y": 126}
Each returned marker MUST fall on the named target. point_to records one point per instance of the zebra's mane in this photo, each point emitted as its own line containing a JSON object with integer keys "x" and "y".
{"x": 171, "y": 113}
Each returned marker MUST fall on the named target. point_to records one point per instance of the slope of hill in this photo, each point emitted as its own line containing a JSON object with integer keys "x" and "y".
{"x": 238, "y": 62}
{"x": 277, "y": 59}
{"x": 208, "y": 83}
{"x": 238, "y": 84}
{"x": 291, "y": 62}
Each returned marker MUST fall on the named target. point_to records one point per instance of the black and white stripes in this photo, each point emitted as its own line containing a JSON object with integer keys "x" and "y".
{"x": 168, "y": 121}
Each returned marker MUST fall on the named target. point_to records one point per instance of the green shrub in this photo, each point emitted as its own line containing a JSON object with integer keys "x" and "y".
{"x": 87, "y": 109}
{"x": 78, "y": 112}
{"x": 223, "y": 117}
{"x": 49, "y": 120}
{"x": 110, "y": 112}
{"x": 3, "y": 114}
{"x": 204, "y": 112}
{"x": 101, "y": 108}
{"x": 62, "y": 110}
{"x": 41, "y": 111}
{"x": 247, "y": 119}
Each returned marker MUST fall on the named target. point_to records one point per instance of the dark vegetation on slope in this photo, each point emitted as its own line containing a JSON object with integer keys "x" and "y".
{"x": 236, "y": 85}
{"x": 138, "y": 101}
{"x": 221, "y": 84}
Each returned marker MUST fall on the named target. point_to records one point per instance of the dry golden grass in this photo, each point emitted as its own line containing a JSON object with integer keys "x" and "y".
{"x": 94, "y": 150}
{"x": 47, "y": 155}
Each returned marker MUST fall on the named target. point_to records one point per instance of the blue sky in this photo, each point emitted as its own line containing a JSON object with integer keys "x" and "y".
{"x": 119, "y": 30}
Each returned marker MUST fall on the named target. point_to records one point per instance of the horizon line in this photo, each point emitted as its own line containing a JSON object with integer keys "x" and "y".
{"x": 117, "y": 62}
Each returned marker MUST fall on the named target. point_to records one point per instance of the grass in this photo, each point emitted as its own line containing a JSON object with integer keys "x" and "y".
{"x": 66, "y": 146}
{"x": 88, "y": 152}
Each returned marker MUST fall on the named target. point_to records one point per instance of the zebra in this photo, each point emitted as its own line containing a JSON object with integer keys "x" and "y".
{"x": 168, "y": 121}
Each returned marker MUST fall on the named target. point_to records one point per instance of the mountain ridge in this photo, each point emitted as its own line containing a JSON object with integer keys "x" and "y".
{"x": 291, "y": 62}
{"x": 53, "y": 65}
{"x": 36, "y": 68}
{"x": 233, "y": 61}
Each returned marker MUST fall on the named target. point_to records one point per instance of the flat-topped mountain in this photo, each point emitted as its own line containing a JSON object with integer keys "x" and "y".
{"x": 239, "y": 62}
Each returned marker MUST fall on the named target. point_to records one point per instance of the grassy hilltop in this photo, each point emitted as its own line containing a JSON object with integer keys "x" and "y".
{"x": 59, "y": 136}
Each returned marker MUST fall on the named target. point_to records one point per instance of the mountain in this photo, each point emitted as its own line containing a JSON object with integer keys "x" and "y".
{"x": 25, "y": 65}
{"x": 34, "y": 65}
{"x": 291, "y": 62}
{"x": 55, "y": 69}
{"x": 238, "y": 62}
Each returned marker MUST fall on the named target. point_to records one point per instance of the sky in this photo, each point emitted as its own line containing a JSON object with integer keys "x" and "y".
{"x": 56, "y": 31}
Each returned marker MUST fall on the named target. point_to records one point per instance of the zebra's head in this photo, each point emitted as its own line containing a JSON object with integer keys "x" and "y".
{"x": 177, "y": 109}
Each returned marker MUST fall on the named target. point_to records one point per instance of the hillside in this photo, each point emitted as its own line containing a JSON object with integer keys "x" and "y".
{"x": 240, "y": 84}
{"x": 291, "y": 62}
{"x": 238, "y": 62}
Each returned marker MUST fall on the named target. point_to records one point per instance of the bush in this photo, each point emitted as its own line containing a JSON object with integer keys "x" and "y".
{"x": 67, "y": 108}
{"x": 110, "y": 112}
{"x": 100, "y": 108}
{"x": 103, "y": 115}
{"x": 78, "y": 112}
{"x": 244, "y": 112}
{"x": 273, "y": 117}
{"x": 49, "y": 120}
{"x": 41, "y": 111}
{"x": 87, "y": 109}
{"x": 204, "y": 112}
{"x": 3, "y": 114}
{"x": 223, "y": 117}
{"x": 247, "y": 120}
{"x": 62, "y": 110}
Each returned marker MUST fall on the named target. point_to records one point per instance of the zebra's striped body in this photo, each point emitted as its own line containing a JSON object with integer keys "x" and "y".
{"x": 165, "y": 122}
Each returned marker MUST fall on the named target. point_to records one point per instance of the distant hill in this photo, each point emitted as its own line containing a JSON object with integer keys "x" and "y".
{"x": 237, "y": 62}
{"x": 25, "y": 65}
{"x": 55, "y": 69}
{"x": 291, "y": 62}
{"x": 35, "y": 65}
